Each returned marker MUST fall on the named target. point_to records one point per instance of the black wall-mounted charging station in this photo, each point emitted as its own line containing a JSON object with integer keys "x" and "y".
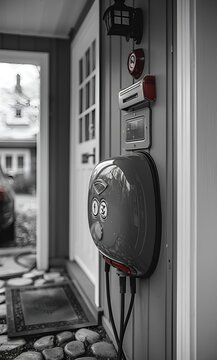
{"x": 124, "y": 212}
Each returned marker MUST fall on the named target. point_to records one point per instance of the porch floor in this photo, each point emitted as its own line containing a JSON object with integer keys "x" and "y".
{"x": 82, "y": 343}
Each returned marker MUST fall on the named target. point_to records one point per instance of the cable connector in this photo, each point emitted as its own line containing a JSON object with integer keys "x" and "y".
{"x": 107, "y": 266}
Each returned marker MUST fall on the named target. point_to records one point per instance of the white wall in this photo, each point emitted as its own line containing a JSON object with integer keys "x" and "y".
{"x": 206, "y": 51}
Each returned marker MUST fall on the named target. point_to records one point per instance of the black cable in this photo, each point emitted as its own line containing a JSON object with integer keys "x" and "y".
{"x": 133, "y": 292}
{"x": 107, "y": 269}
{"x": 123, "y": 324}
{"x": 122, "y": 282}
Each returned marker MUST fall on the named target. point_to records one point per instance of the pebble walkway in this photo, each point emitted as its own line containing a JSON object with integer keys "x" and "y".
{"x": 82, "y": 344}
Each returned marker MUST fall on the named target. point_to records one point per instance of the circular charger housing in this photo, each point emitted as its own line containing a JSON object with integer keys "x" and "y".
{"x": 124, "y": 212}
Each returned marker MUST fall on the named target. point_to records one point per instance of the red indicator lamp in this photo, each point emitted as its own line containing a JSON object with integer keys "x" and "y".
{"x": 149, "y": 88}
{"x": 121, "y": 267}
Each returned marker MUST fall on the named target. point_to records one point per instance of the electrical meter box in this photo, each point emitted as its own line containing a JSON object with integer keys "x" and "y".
{"x": 124, "y": 212}
{"x": 136, "y": 129}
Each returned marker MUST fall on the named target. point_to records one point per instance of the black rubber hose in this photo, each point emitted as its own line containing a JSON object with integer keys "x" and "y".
{"x": 129, "y": 312}
{"x": 110, "y": 308}
{"x": 107, "y": 268}
{"x": 133, "y": 292}
{"x": 120, "y": 346}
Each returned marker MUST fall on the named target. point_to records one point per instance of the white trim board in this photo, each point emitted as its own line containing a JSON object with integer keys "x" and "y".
{"x": 41, "y": 59}
{"x": 90, "y": 23}
{"x": 186, "y": 183}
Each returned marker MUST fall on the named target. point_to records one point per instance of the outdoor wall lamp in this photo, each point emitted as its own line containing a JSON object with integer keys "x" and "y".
{"x": 124, "y": 20}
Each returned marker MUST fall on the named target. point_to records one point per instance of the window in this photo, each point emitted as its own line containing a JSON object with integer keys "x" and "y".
{"x": 18, "y": 113}
{"x": 8, "y": 162}
{"x": 20, "y": 162}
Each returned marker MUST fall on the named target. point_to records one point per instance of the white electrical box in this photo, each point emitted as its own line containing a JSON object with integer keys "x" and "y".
{"x": 136, "y": 130}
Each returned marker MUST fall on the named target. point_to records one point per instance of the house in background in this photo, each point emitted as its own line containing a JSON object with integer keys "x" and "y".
{"x": 19, "y": 127}
{"x": 175, "y": 312}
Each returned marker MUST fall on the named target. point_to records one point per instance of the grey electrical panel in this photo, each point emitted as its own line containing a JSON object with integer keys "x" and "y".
{"x": 136, "y": 129}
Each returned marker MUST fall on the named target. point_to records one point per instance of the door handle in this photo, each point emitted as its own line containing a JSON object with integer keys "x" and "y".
{"x": 85, "y": 157}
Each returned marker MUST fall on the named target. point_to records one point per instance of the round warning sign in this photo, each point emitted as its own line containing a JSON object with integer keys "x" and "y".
{"x": 135, "y": 63}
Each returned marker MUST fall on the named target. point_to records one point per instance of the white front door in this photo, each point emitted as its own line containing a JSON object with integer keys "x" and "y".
{"x": 84, "y": 141}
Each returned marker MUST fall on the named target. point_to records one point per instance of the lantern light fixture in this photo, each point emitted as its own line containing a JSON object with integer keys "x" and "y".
{"x": 124, "y": 20}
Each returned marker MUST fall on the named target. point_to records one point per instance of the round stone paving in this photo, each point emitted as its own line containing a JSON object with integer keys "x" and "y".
{"x": 2, "y": 299}
{"x": 3, "y": 311}
{"x": 64, "y": 336}
{"x": 29, "y": 355}
{"x": 9, "y": 344}
{"x": 86, "y": 358}
{"x": 51, "y": 276}
{"x": 3, "y": 329}
{"x": 46, "y": 342}
{"x": 104, "y": 349}
{"x": 74, "y": 349}
{"x": 34, "y": 274}
{"x": 19, "y": 282}
{"x": 87, "y": 335}
{"x": 53, "y": 354}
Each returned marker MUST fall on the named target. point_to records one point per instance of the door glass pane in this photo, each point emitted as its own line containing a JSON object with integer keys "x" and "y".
{"x": 94, "y": 55}
{"x": 87, "y": 57}
{"x": 80, "y": 101}
{"x": 87, "y": 120}
{"x": 80, "y": 71}
{"x": 80, "y": 130}
{"x": 93, "y": 90}
{"x": 93, "y": 124}
{"x": 88, "y": 95}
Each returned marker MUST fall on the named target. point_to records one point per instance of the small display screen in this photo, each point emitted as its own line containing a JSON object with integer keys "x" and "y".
{"x": 135, "y": 129}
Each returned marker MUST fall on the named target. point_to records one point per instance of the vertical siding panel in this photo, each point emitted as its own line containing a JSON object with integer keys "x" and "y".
{"x": 105, "y": 88}
{"x": 157, "y": 300}
{"x": 206, "y": 247}
{"x": 171, "y": 208}
{"x": 115, "y": 87}
{"x": 142, "y": 304}
{"x": 126, "y": 80}
{"x": 146, "y": 333}
{"x": 105, "y": 124}
{"x": 115, "y": 80}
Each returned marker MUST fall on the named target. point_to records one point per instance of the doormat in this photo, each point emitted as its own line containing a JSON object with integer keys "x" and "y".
{"x": 45, "y": 309}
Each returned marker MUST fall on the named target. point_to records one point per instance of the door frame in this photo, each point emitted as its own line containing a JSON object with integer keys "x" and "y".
{"x": 186, "y": 291}
{"x": 42, "y": 60}
{"x": 93, "y": 11}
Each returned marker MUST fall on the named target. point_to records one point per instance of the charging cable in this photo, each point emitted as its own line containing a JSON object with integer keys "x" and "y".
{"x": 123, "y": 323}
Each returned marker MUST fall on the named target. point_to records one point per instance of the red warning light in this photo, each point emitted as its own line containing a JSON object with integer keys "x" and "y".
{"x": 149, "y": 88}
